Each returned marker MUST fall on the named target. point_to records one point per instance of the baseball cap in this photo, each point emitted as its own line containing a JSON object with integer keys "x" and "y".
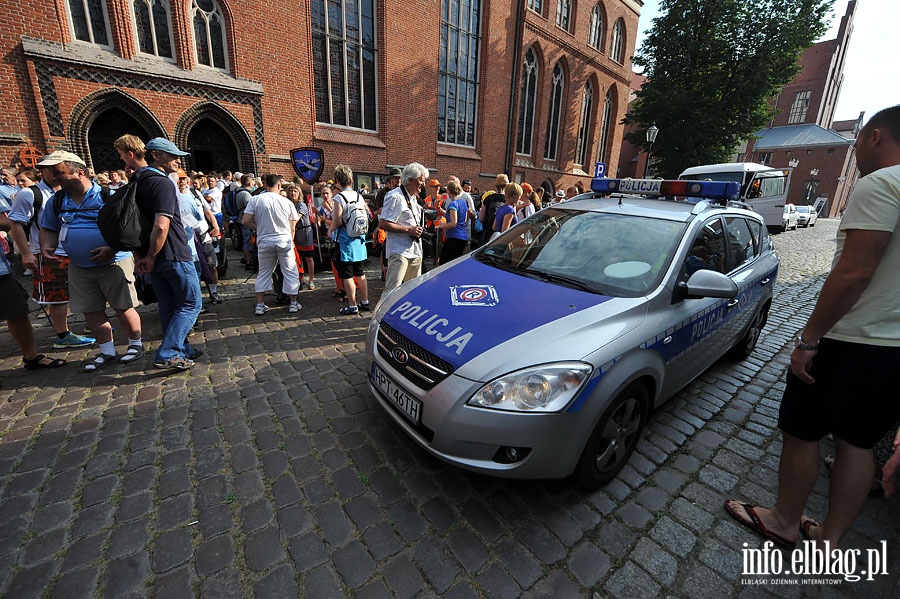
{"x": 164, "y": 145}
{"x": 434, "y": 183}
{"x": 395, "y": 172}
{"x": 527, "y": 188}
{"x": 54, "y": 158}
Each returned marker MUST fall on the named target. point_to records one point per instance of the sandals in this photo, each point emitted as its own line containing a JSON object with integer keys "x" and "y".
{"x": 132, "y": 353}
{"x": 37, "y": 362}
{"x": 101, "y": 361}
{"x": 754, "y": 522}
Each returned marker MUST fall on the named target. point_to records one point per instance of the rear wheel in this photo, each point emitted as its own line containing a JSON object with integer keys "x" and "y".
{"x": 747, "y": 344}
{"x": 614, "y": 438}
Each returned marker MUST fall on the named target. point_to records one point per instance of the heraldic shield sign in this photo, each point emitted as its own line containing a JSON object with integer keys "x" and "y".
{"x": 308, "y": 163}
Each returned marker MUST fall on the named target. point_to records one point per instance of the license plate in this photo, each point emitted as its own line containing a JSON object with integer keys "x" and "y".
{"x": 409, "y": 406}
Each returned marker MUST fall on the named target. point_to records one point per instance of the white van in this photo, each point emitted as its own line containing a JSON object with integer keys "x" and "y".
{"x": 762, "y": 187}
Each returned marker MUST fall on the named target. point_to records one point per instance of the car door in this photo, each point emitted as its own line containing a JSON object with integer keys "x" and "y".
{"x": 695, "y": 342}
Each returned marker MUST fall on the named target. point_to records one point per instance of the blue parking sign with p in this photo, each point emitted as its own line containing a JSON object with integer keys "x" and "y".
{"x": 599, "y": 170}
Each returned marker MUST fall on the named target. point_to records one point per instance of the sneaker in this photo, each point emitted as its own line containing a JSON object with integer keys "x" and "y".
{"x": 349, "y": 310}
{"x": 73, "y": 340}
{"x": 261, "y": 309}
{"x": 214, "y": 297}
{"x": 204, "y": 309}
{"x": 364, "y": 307}
{"x": 295, "y": 307}
{"x": 177, "y": 363}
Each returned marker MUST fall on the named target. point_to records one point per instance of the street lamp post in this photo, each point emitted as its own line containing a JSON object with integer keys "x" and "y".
{"x": 652, "y": 132}
{"x": 793, "y": 162}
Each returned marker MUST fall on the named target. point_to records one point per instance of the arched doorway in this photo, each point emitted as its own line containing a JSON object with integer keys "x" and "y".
{"x": 106, "y": 128}
{"x": 211, "y": 147}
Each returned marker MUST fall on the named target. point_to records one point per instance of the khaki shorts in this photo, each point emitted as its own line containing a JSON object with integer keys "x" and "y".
{"x": 90, "y": 289}
{"x": 50, "y": 283}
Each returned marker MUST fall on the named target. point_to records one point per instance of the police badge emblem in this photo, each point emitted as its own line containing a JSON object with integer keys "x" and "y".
{"x": 308, "y": 163}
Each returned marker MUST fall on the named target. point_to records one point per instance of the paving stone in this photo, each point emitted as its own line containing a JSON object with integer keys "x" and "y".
{"x": 128, "y": 538}
{"x": 76, "y": 584}
{"x": 589, "y": 564}
{"x": 84, "y": 551}
{"x": 634, "y": 515}
{"x": 630, "y": 581}
{"x": 406, "y": 520}
{"x": 127, "y": 574}
{"x": 307, "y": 552}
{"x": 51, "y": 517}
{"x": 322, "y": 583}
{"x": 285, "y": 491}
{"x": 30, "y": 582}
{"x": 376, "y": 589}
{"x": 242, "y": 458}
{"x": 523, "y": 567}
{"x": 690, "y": 515}
{"x": 214, "y": 555}
{"x": 293, "y": 520}
{"x": 175, "y": 511}
{"x": 92, "y": 519}
{"x": 558, "y": 586}
{"x": 403, "y": 577}
{"x": 171, "y": 549}
{"x": 439, "y": 567}
{"x": 277, "y": 584}
{"x": 177, "y": 584}
{"x": 541, "y": 543}
{"x": 652, "y": 558}
{"x": 60, "y": 487}
{"x": 673, "y": 536}
{"x": 255, "y": 515}
{"x": 353, "y": 564}
{"x": 381, "y": 541}
{"x": 497, "y": 582}
{"x": 43, "y": 547}
{"x": 213, "y": 491}
{"x": 174, "y": 482}
{"x": 138, "y": 481}
{"x": 263, "y": 549}
{"x": 247, "y": 486}
{"x": 216, "y": 520}
{"x": 616, "y": 539}
{"x": 224, "y": 585}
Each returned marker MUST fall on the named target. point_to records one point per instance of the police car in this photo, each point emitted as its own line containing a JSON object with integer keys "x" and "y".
{"x": 544, "y": 353}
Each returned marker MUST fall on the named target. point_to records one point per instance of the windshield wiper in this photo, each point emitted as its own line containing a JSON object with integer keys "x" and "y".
{"x": 555, "y": 278}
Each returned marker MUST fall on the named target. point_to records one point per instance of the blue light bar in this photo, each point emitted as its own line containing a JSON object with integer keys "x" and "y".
{"x": 715, "y": 190}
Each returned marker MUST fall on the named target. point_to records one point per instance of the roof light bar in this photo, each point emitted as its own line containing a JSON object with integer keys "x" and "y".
{"x": 716, "y": 190}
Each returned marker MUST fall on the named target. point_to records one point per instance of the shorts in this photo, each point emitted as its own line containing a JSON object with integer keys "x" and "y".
{"x": 854, "y": 396}
{"x": 348, "y": 270}
{"x": 90, "y": 289}
{"x": 246, "y": 237}
{"x": 50, "y": 284}
{"x": 306, "y": 252}
{"x": 210, "y": 252}
{"x": 15, "y": 298}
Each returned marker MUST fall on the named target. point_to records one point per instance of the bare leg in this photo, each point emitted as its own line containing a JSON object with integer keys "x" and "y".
{"x": 21, "y": 331}
{"x": 131, "y": 322}
{"x": 363, "y": 289}
{"x": 100, "y": 327}
{"x": 851, "y": 480}
{"x": 350, "y": 287}
{"x": 59, "y": 316}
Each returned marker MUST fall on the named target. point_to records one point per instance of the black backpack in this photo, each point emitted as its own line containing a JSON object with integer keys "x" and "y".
{"x": 493, "y": 202}
{"x": 121, "y": 222}
{"x": 37, "y": 205}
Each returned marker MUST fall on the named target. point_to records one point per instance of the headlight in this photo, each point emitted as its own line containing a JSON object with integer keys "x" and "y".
{"x": 545, "y": 388}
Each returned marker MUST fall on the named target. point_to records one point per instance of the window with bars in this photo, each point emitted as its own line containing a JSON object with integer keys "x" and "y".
{"x": 605, "y": 127}
{"x": 617, "y": 47}
{"x": 209, "y": 33}
{"x": 765, "y": 157}
{"x": 458, "y": 71}
{"x": 344, "y": 58}
{"x": 595, "y": 28}
{"x": 563, "y": 8}
{"x": 537, "y": 6}
{"x": 153, "y": 24}
{"x": 799, "y": 108}
{"x": 527, "y": 99}
{"x": 89, "y": 20}
{"x": 556, "y": 93}
{"x": 584, "y": 125}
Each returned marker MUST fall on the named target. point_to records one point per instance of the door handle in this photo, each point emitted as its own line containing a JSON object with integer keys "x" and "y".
{"x": 765, "y": 281}
{"x": 734, "y": 303}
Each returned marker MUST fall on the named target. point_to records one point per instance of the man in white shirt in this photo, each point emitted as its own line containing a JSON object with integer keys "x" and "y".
{"x": 402, "y": 220}
{"x": 274, "y": 218}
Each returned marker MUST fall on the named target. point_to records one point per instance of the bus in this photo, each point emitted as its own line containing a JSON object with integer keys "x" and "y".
{"x": 764, "y": 188}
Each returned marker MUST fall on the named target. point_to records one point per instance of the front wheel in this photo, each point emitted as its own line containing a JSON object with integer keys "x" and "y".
{"x": 614, "y": 438}
{"x": 747, "y": 344}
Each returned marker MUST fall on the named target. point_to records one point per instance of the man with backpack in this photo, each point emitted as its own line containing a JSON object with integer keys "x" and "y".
{"x": 167, "y": 257}
{"x": 349, "y": 225}
{"x": 97, "y": 274}
{"x": 491, "y": 202}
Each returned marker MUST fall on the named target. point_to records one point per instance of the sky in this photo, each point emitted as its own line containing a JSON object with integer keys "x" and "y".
{"x": 872, "y": 68}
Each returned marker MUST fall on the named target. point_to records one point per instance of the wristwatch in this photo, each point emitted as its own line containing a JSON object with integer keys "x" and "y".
{"x": 799, "y": 343}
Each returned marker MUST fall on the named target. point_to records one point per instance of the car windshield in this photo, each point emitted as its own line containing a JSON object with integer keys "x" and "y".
{"x": 609, "y": 254}
{"x": 803, "y": 209}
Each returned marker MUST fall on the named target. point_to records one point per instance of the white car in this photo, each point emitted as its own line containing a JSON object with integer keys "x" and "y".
{"x": 544, "y": 353}
{"x": 791, "y": 218}
{"x": 806, "y": 216}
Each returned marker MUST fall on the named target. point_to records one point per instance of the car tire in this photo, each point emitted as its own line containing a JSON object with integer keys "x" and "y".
{"x": 614, "y": 438}
{"x": 743, "y": 348}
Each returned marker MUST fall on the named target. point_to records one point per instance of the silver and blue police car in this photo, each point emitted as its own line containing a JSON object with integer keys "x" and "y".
{"x": 544, "y": 353}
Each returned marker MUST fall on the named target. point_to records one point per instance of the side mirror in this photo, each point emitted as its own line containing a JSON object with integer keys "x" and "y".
{"x": 706, "y": 283}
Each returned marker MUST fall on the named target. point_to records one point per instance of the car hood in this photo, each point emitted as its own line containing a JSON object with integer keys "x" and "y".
{"x": 467, "y": 308}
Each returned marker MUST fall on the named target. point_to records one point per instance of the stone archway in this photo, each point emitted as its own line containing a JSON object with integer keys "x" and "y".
{"x": 100, "y": 118}
{"x": 216, "y": 139}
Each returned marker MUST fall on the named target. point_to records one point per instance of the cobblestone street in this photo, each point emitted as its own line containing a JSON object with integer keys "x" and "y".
{"x": 268, "y": 470}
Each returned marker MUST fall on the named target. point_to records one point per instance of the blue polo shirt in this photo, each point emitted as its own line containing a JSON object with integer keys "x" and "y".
{"x": 77, "y": 228}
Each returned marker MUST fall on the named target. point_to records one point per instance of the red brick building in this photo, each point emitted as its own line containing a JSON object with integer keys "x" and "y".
{"x": 535, "y": 89}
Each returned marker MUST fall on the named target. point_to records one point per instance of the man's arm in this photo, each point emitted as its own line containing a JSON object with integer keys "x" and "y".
{"x": 158, "y": 236}
{"x": 4, "y": 221}
{"x": 862, "y": 253}
{"x": 213, "y": 223}
{"x": 248, "y": 221}
{"x": 17, "y": 233}
{"x": 49, "y": 241}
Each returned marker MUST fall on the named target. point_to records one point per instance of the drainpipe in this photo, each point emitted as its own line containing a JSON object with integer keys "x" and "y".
{"x": 520, "y": 25}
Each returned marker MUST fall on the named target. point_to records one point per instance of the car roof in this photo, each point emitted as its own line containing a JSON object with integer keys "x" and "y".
{"x": 727, "y": 167}
{"x": 652, "y": 208}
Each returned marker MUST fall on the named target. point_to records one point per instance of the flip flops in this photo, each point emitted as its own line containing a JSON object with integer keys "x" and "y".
{"x": 755, "y": 523}
{"x": 37, "y": 363}
{"x": 805, "y": 524}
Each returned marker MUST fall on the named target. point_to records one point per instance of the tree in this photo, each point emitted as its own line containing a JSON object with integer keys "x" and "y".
{"x": 712, "y": 67}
